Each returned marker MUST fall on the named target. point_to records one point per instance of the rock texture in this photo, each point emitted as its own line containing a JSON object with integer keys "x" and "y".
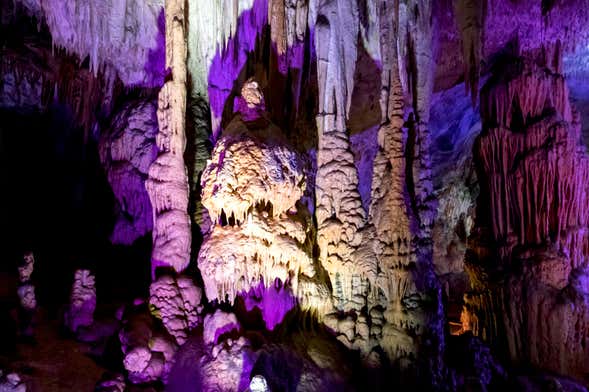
{"x": 127, "y": 149}
{"x": 36, "y": 76}
{"x": 167, "y": 184}
{"x": 82, "y": 301}
{"x": 110, "y": 383}
{"x": 11, "y": 382}
{"x": 217, "y": 324}
{"x": 316, "y": 205}
{"x": 148, "y": 353}
{"x": 177, "y": 302}
{"x": 250, "y": 188}
{"x": 338, "y": 208}
{"x": 533, "y": 288}
{"x": 454, "y": 125}
{"x": 228, "y": 366}
{"x": 379, "y": 261}
{"x": 126, "y": 36}
{"x": 26, "y": 294}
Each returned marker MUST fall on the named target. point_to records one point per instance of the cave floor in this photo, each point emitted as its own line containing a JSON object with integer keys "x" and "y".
{"x": 53, "y": 363}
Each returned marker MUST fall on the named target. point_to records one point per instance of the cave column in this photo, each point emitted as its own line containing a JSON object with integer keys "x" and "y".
{"x": 339, "y": 210}
{"x": 401, "y": 209}
{"x": 167, "y": 184}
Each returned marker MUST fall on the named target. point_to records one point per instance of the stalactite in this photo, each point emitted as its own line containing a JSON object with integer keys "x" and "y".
{"x": 122, "y": 35}
{"x": 399, "y": 212}
{"x": 470, "y": 18}
{"x": 221, "y": 34}
{"x": 260, "y": 233}
{"x": 33, "y": 78}
{"x": 388, "y": 210}
{"x": 167, "y": 184}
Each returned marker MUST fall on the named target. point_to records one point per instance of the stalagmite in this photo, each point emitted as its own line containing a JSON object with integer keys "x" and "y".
{"x": 399, "y": 216}
{"x": 338, "y": 205}
{"x": 148, "y": 353}
{"x": 217, "y": 324}
{"x": 223, "y": 369}
{"x": 26, "y": 289}
{"x": 176, "y": 301}
{"x": 82, "y": 301}
{"x": 26, "y": 294}
{"x": 167, "y": 184}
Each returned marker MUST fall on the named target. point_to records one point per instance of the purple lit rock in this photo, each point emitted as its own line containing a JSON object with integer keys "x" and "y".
{"x": 120, "y": 35}
{"x": 251, "y": 187}
{"x": 176, "y": 301}
{"x": 11, "y": 382}
{"x": 274, "y": 302}
{"x": 532, "y": 251}
{"x": 148, "y": 352}
{"x": 82, "y": 301}
{"x": 218, "y": 324}
{"x": 127, "y": 149}
{"x": 228, "y": 366}
{"x": 110, "y": 383}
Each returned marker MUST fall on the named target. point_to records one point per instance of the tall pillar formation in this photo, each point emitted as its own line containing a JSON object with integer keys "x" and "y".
{"x": 167, "y": 184}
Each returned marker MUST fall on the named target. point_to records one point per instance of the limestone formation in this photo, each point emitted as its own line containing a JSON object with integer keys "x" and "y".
{"x": 217, "y": 324}
{"x": 528, "y": 288}
{"x": 336, "y": 173}
{"x": 82, "y": 301}
{"x": 250, "y": 188}
{"x": 177, "y": 302}
{"x": 338, "y": 210}
{"x": 123, "y": 35}
{"x": 127, "y": 149}
{"x": 223, "y": 368}
{"x": 28, "y": 300}
{"x": 228, "y": 357}
{"x": 245, "y": 172}
{"x": 26, "y": 294}
{"x": 167, "y": 184}
{"x": 379, "y": 261}
{"x": 455, "y": 124}
{"x": 25, "y": 269}
{"x": 35, "y": 76}
{"x": 148, "y": 353}
{"x": 111, "y": 383}
{"x": 258, "y": 384}
{"x": 11, "y": 382}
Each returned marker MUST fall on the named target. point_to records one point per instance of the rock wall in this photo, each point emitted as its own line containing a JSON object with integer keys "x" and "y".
{"x": 530, "y": 284}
